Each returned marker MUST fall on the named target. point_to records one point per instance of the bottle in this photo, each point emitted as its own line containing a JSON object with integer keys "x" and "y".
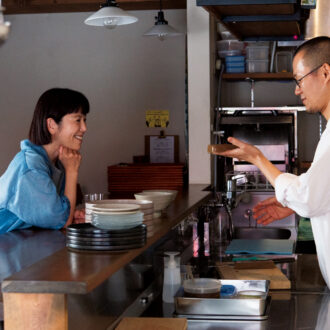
{"x": 172, "y": 278}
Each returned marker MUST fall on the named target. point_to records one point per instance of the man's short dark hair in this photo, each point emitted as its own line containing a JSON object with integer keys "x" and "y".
{"x": 316, "y": 51}
{"x": 55, "y": 103}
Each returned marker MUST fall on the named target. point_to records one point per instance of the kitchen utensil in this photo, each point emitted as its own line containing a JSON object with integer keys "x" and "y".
{"x": 225, "y": 308}
{"x": 218, "y": 148}
{"x": 202, "y": 288}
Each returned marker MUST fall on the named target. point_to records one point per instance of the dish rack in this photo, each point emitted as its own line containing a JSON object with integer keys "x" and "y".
{"x": 256, "y": 181}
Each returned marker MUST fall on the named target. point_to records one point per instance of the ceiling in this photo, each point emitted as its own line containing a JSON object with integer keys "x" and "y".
{"x": 64, "y": 6}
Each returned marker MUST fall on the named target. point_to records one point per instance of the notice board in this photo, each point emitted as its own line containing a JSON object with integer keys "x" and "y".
{"x": 162, "y": 149}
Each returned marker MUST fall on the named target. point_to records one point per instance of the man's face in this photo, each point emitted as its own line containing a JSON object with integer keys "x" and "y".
{"x": 311, "y": 87}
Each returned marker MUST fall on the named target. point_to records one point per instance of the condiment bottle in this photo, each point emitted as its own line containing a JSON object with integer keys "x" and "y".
{"x": 172, "y": 278}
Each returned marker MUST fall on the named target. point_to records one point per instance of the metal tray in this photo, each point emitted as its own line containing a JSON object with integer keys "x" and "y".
{"x": 196, "y": 317}
{"x": 229, "y": 307}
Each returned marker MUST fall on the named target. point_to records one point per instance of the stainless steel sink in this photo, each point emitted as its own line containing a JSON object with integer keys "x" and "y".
{"x": 259, "y": 233}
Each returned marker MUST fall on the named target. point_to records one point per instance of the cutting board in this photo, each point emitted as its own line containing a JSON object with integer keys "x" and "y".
{"x": 260, "y": 246}
{"x": 152, "y": 323}
{"x": 236, "y": 272}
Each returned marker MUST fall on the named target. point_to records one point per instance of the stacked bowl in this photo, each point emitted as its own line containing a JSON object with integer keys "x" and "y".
{"x": 174, "y": 193}
{"x": 161, "y": 200}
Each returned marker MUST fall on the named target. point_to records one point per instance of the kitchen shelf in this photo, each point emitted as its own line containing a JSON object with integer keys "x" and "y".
{"x": 260, "y": 19}
{"x": 258, "y": 76}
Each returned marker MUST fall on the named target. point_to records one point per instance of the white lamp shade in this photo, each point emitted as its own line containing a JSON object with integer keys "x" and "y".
{"x": 162, "y": 31}
{"x": 110, "y": 17}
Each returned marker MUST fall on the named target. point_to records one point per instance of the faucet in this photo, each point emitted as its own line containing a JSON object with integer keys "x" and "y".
{"x": 232, "y": 200}
{"x": 252, "y": 91}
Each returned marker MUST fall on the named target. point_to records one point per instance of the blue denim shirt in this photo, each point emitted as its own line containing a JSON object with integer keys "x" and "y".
{"x": 28, "y": 195}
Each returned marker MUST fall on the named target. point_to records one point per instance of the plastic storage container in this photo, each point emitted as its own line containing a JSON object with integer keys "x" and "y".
{"x": 229, "y": 47}
{"x": 257, "y": 52}
{"x": 283, "y": 61}
{"x": 257, "y": 66}
{"x": 235, "y": 64}
{"x": 202, "y": 288}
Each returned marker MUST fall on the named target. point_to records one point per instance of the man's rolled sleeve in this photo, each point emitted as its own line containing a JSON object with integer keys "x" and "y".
{"x": 282, "y": 183}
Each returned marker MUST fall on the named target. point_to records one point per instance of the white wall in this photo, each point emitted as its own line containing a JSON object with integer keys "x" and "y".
{"x": 198, "y": 93}
{"x": 121, "y": 72}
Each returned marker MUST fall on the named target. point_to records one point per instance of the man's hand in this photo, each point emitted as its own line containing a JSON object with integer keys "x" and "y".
{"x": 270, "y": 210}
{"x": 244, "y": 151}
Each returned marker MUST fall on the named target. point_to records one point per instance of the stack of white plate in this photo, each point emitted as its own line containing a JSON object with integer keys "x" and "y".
{"x": 146, "y": 207}
{"x": 116, "y": 216}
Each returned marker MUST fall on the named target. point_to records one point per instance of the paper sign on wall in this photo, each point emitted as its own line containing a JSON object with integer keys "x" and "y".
{"x": 157, "y": 118}
{"x": 162, "y": 149}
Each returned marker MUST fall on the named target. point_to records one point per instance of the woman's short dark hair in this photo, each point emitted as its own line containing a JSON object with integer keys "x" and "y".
{"x": 55, "y": 103}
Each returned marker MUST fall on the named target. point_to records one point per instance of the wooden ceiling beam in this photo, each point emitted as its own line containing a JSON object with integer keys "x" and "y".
{"x": 63, "y": 6}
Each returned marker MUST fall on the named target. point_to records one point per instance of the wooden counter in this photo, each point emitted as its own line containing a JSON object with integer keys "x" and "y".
{"x": 47, "y": 283}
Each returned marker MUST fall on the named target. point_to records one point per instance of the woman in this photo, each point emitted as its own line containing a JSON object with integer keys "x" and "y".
{"x": 39, "y": 185}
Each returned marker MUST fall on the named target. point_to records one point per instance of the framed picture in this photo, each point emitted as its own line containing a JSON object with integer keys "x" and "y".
{"x": 162, "y": 149}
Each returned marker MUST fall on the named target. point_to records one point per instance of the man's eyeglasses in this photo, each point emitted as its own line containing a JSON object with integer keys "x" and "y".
{"x": 298, "y": 81}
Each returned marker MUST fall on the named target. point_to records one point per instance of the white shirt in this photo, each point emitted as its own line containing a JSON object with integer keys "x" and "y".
{"x": 309, "y": 196}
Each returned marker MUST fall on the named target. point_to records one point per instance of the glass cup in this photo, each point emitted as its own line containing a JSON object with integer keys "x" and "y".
{"x": 94, "y": 197}
{"x": 89, "y": 199}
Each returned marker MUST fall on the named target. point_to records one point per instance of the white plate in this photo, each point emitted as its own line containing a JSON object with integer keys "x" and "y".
{"x": 116, "y": 207}
{"x": 113, "y": 213}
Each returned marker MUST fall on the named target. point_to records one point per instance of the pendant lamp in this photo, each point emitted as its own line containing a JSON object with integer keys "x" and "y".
{"x": 161, "y": 29}
{"x": 4, "y": 26}
{"x": 110, "y": 15}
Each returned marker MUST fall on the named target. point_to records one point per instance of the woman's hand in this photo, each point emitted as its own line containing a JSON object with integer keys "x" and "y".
{"x": 79, "y": 216}
{"x": 70, "y": 159}
{"x": 270, "y": 210}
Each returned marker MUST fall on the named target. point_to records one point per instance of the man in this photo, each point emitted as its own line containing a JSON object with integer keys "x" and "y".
{"x": 308, "y": 194}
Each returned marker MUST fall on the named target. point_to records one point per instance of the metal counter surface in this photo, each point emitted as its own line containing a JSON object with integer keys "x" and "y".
{"x": 306, "y": 306}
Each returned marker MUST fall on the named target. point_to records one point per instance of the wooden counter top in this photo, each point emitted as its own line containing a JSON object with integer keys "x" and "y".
{"x": 72, "y": 272}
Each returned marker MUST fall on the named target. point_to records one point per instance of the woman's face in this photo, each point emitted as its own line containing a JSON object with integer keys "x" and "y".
{"x": 70, "y": 131}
